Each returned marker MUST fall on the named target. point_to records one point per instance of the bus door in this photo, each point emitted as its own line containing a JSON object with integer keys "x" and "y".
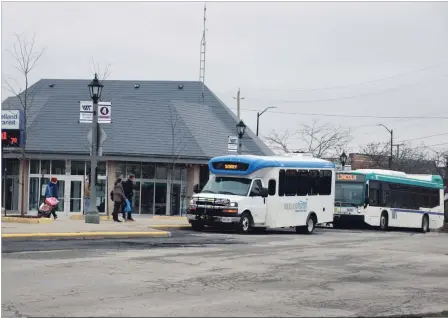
{"x": 257, "y": 204}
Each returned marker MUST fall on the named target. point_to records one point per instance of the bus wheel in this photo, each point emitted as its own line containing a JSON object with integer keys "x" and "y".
{"x": 197, "y": 226}
{"x": 384, "y": 221}
{"x": 425, "y": 224}
{"x": 244, "y": 225}
{"x": 337, "y": 224}
{"x": 308, "y": 228}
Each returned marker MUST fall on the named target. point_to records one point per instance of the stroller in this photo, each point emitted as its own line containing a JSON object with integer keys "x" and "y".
{"x": 47, "y": 207}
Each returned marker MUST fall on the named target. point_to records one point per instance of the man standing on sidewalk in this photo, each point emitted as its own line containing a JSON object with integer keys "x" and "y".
{"x": 128, "y": 187}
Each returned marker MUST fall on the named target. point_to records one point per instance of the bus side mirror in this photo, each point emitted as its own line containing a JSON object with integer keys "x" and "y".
{"x": 264, "y": 192}
{"x": 196, "y": 188}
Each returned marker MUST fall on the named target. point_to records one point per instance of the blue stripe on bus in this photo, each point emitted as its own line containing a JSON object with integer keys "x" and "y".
{"x": 417, "y": 211}
{"x": 257, "y": 163}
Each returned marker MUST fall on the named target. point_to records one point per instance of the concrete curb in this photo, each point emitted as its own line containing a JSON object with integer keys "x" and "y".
{"x": 168, "y": 217}
{"x": 9, "y": 219}
{"x": 168, "y": 226}
{"x": 81, "y": 217}
{"x": 84, "y": 235}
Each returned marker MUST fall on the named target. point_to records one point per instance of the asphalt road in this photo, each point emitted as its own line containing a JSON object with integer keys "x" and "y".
{"x": 329, "y": 273}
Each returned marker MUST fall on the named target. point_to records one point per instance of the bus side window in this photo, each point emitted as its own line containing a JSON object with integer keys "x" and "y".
{"x": 271, "y": 187}
{"x": 281, "y": 183}
{"x": 291, "y": 182}
{"x": 313, "y": 182}
{"x": 325, "y": 182}
{"x": 302, "y": 182}
{"x": 374, "y": 193}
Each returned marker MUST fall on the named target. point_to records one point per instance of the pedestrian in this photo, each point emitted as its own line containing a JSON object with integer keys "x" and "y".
{"x": 118, "y": 198}
{"x": 128, "y": 187}
{"x": 87, "y": 194}
{"x": 52, "y": 191}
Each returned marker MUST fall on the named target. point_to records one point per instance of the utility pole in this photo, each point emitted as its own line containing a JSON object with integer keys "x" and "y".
{"x": 202, "y": 56}
{"x": 391, "y": 131}
{"x": 398, "y": 149}
{"x": 238, "y": 99}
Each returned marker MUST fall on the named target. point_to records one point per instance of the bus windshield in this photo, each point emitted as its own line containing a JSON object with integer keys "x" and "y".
{"x": 349, "y": 192}
{"x": 227, "y": 185}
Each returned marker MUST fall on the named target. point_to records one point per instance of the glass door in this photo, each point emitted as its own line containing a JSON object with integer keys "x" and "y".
{"x": 76, "y": 196}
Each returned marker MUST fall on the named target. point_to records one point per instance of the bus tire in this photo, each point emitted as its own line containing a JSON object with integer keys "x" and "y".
{"x": 309, "y": 227}
{"x": 197, "y": 226}
{"x": 245, "y": 224}
{"x": 337, "y": 224}
{"x": 384, "y": 221}
{"x": 425, "y": 224}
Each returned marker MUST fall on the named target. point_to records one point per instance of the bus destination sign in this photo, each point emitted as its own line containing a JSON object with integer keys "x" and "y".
{"x": 347, "y": 177}
{"x": 235, "y": 166}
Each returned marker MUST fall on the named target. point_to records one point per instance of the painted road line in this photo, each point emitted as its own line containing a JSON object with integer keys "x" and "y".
{"x": 88, "y": 234}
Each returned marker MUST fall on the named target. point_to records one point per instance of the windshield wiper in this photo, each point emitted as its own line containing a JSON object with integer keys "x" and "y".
{"x": 207, "y": 191}
{"x": 226, "y": 192}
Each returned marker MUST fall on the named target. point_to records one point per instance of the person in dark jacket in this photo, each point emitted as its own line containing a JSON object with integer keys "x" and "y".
{"x": 128, "y": 187}
{"x": 118, "y": 198}
{"x": 52, "y": 191}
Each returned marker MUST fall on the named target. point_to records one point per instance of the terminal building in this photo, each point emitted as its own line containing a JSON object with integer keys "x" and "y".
{"x": 163, "y": 132}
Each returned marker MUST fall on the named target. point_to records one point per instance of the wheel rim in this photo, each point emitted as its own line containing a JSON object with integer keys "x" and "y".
{"x": 310, "y": 225}
{"x": 383, "y": 221}
{"x": 245, "y": 223}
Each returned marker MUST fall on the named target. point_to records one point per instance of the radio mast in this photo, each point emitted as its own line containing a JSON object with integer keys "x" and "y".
{"x": 202, "y": 56}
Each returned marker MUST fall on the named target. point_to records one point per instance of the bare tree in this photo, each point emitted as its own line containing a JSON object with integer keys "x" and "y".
{"x": 178, "y": 144}
{"x": 278, "y": 142}
{"x": 406, "y": 158}
{"x": 25, "y": 57}
{"x": 319, "y": 140}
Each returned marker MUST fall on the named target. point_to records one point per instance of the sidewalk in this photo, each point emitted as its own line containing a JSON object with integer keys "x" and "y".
{"x": 66, "y": 228}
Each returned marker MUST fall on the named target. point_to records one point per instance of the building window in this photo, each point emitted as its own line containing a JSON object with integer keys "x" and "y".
{"x": 34, "y": 194}
{"x": 120, "y": 169}
{"x": 58, "y": 167}
{"x": 101, "y": 168}
{"x": 176, "y": 174}
{"x": 161, "y": 172}
{"x": 135, "y": 169}
{"x": 148, "y": 171}
{"x": 45, "y": 166}
{"x": 78, "y": 168}
{"x": 35, "y": 167}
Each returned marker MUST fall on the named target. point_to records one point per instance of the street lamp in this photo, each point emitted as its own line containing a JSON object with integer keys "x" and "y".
{"x": 240, "y": 129}
{"x": 259, "y": 114}
{"x": 343, "y": 159}
{"x": 391, "y": 144}
{"x": 95, "y": 89}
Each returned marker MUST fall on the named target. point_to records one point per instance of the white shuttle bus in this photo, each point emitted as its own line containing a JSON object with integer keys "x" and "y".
{"x": 260, "y": 192}
{"x": 386, "y": 198}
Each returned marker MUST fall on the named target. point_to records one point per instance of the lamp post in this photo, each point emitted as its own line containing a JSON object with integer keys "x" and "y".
{"x": 391, "y": 144}
{"x": 95, "y": 88}
{"x": 240, "y": 129}
{"x": 343, "y": 159}
{"x": 259, "y": 114}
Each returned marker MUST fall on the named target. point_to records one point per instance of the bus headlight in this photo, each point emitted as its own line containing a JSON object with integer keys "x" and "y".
{"x": 233, "y": 204}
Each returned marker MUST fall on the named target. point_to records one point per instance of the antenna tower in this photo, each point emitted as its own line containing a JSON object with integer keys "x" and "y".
{"x": 202, "y": 57}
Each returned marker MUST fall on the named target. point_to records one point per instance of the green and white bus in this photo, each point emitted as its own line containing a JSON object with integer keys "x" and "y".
{"x": 385, "y": 198}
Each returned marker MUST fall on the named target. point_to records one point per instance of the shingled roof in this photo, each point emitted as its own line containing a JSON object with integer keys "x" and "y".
{"x": 141, "y": 119}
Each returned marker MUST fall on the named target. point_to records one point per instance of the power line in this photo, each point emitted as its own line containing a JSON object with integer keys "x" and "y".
{"x": 393, "y": 89}
{"x": 361, "y": 83}
{"x": 424, "y": 137}
{"x": 350, "y": 116}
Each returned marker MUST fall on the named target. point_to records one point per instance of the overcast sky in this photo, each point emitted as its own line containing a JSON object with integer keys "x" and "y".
{"x": 357, "y": 58}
